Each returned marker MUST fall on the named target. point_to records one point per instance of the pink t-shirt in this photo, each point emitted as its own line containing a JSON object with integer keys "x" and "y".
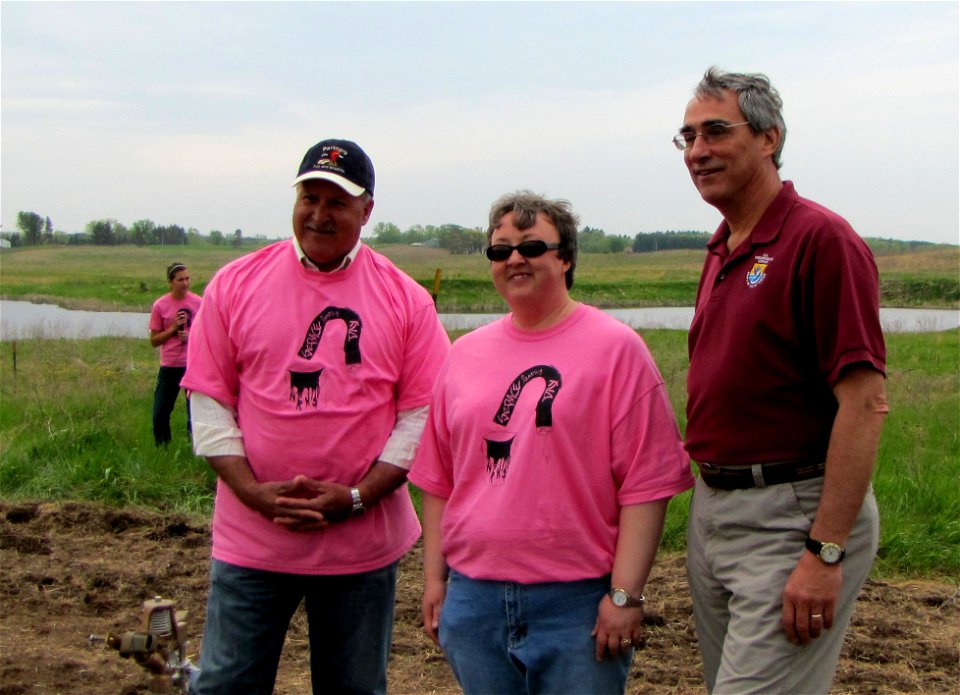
{"x": 537, "y": 440}
{"x": 317, "y": 366}
{"x": 173, "y": 353}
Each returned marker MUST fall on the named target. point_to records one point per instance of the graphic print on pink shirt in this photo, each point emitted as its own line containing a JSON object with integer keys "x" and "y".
{"x": 305, "y": 386}
{"x": 499, "y": 442}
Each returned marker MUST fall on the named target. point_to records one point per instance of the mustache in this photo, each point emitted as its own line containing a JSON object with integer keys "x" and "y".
{"x": 321, "y": 229}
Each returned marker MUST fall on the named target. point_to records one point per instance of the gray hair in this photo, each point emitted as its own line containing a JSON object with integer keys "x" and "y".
{"x": 525, "y": 205}
{"x": 759, "y": 101}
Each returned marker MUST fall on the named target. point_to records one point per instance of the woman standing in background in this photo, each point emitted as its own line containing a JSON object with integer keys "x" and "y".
{"x": 170, "y": 321}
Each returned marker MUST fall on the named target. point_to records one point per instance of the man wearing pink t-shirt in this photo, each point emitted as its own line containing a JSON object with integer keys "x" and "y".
{"x": 786, "y": 404}
{"x": 310, "y": 366}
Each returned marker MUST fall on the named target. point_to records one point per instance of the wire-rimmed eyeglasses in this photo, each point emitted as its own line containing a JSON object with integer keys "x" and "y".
{"x": 711, "y": 133}
{"x": 528, "y": 249}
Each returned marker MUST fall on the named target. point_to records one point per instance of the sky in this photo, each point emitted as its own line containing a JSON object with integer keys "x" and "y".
{"x": 199, "y": 113}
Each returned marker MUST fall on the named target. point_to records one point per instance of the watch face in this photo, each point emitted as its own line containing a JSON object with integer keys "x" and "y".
{"x": 830, "y": 553}
{"x": 619, "y": 598}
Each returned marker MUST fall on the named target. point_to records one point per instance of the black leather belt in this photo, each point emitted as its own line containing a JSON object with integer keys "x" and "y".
{"x": 759, "y": 474}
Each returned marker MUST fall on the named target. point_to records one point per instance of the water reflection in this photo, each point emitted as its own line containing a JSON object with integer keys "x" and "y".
{"x": 21, "y": 320}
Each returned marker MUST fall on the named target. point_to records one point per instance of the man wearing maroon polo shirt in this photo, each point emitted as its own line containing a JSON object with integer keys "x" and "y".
{"x": 785, "y": 405}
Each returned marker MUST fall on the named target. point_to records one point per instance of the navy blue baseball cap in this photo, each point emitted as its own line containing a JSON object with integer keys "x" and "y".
{"x": 339, "y": 161}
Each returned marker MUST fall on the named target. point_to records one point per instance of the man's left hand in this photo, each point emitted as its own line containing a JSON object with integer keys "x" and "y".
{"x": 810, "y": 598}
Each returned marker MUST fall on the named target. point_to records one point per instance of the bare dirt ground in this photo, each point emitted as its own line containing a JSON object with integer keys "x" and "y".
{"x": 71, "y": 570}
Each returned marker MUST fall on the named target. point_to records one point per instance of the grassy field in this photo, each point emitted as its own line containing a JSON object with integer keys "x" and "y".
{"x": 75, "y": 424}
{"x": 128, "y": 278}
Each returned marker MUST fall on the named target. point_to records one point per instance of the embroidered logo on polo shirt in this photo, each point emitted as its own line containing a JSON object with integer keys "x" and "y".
{"x": 758, "y": 273}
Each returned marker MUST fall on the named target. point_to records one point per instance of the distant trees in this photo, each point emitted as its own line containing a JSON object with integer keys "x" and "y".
{"x": 665, "y": 241}
{"x": 34, "y": 229}
{"x": 453, "y": 237}
{"x": 461, "y": 240}
{"x": 386, "y": 233}
{"x": 882, "y": 247}
{"x": 107, "y": 232}
{"x": 171, "y": 234}
{"x": 143, "y": 232}
{"x": 592, "y": 240}
{"x": 464, "y": 240}
{"x": 31, "y": 227}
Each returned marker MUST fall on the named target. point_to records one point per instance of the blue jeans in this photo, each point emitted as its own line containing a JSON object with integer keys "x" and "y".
{"x": 504, "y": 637}
{"x": 164, "y": 398}
{"x": 350, "y": 619}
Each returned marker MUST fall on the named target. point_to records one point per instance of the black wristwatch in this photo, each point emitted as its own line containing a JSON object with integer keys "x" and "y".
{"x": 358, "y": 507}
{"x": 829, "y": 553}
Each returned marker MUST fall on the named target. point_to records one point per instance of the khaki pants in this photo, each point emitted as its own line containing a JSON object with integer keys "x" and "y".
{"x": 742, "y": 545}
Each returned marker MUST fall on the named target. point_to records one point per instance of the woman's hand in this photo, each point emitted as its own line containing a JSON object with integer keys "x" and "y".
{"x": 434, "y": 593}
{"x": 617, "y": 630}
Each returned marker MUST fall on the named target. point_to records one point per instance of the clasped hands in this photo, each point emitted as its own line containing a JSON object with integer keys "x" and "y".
{"x": 302, "y": 503}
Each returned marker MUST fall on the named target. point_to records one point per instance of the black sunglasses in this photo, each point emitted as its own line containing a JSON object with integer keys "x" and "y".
{"x": 527, "y": 249}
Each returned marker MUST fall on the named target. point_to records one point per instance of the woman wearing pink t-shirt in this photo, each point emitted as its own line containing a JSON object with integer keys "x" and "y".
{"x": 170, "y": 320}
{"x": 549, "y": 456}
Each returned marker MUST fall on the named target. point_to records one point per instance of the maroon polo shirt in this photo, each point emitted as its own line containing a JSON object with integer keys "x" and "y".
{"x": 777, "y": 322}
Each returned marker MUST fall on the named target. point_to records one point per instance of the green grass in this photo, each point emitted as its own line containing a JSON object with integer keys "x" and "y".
{"x": 918, "y": 469}
{"x": 129, "y": 278}
{"x": 75, "y": 424}
{"x": 104, "y": 278}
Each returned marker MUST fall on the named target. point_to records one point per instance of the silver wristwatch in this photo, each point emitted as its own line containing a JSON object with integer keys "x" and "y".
{"x": 622, "y": 599}
{"x": 358, "y": 507}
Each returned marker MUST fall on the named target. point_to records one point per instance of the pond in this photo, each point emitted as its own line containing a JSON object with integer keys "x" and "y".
{"x": 23, "y": 320}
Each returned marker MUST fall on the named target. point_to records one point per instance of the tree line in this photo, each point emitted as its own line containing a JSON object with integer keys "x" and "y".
{"x": 35, "y": 230}
{"x": 452, "y": 237}
{"x": 459, "y": 239}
